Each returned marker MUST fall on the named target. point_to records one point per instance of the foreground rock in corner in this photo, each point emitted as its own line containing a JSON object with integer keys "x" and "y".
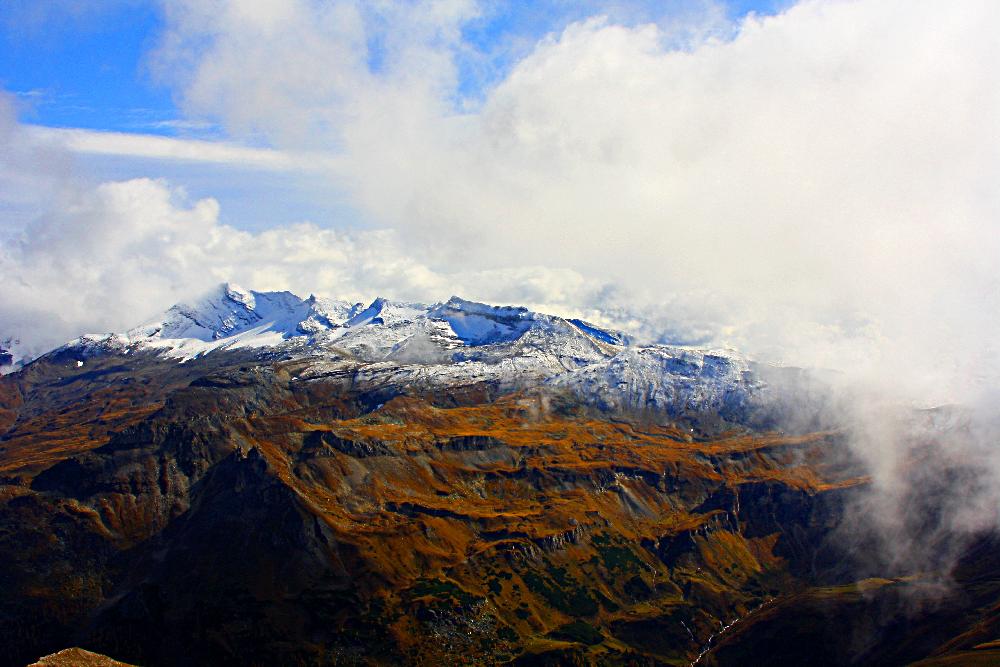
{"x": 77, "y": 657}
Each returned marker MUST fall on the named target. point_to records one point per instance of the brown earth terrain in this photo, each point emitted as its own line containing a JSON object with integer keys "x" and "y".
{"x": 76, "y": 657}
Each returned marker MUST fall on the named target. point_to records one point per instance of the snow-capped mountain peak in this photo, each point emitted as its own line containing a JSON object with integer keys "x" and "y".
{"x": 236, "y": 293}
{"x": 455, "y": 342}
{"x": 481, "y": 324}
{"x": 229, "y": 310}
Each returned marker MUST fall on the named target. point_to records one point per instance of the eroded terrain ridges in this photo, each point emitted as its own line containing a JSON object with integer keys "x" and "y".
{"x": 243, "y": 514}
{"x": 256, "y": 516}
{"x": 57, "y": 407}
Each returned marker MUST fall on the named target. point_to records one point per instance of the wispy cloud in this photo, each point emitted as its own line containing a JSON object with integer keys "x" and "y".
{"x": 32, "y": 94}
{"x": 174, "y": 149}
{"x": 182, "y": 124}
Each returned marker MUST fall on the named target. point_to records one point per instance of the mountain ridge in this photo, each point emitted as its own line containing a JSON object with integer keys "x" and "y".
{"x": 452, "y": 343}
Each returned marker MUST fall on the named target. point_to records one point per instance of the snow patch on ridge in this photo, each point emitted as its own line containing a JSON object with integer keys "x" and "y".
{"x": 482, "y": 324}
{"x": 12, "y": 356}
{"x": 609, "y": 337}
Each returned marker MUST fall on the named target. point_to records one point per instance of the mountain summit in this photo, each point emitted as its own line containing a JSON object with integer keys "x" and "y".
{"x": 454, "y": 343}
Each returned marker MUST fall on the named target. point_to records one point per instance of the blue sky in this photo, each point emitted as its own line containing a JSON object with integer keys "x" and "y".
{"x": 84, "y": 69}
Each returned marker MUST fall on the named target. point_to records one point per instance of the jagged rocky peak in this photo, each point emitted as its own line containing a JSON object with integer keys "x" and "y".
{"x": 231, "y": 315}
{"x": 483, "y": 324}
{"x": 225, "y": 311}
{"x": 450, "y": 344}
{"x": 384, "y": 311}
{"x": 230, "y": 310}
{"x": 326, "y": 314}
{"x": 234, "y": 292}
{"x": 480, "y": 324}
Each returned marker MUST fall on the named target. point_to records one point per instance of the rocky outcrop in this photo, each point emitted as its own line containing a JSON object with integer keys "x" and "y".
{"x": 77, "y": 657}
{"x": 323, "y": 443}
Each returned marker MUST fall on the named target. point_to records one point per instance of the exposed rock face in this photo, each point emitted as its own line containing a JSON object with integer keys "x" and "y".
{"x": 252, "y": 507}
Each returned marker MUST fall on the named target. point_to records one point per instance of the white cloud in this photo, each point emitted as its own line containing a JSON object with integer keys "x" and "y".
{"x": 126, "y": 250}
{"x": 186, "y": 150}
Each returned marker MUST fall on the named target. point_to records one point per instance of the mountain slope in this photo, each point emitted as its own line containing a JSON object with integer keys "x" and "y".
{"x": 414, "y": 531}
{"x": 448, "y": 484}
